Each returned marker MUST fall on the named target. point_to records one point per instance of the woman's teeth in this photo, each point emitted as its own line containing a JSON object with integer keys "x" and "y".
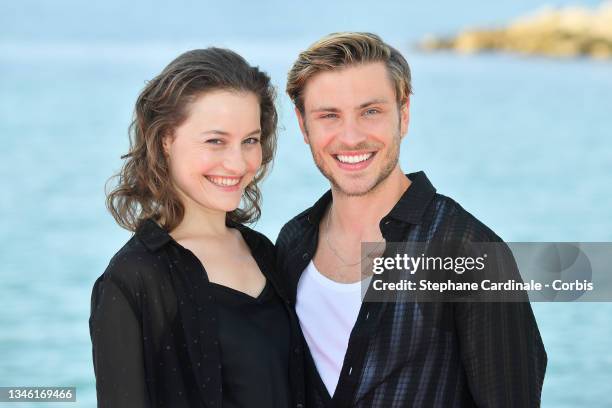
{"x": 352, "y": 159}
{"x": 223, "y": 181}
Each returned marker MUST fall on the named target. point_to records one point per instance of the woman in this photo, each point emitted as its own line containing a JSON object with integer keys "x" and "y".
{"x": 189, "y": 313}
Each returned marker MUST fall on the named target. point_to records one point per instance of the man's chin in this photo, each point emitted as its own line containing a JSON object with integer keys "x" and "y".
{"x": 359, "y": 186}
{"x": 354, "y": 189}
{"x": 352, "y": 185}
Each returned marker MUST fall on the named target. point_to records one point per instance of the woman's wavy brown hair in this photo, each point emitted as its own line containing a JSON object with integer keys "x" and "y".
{"x": 143, "y": 186}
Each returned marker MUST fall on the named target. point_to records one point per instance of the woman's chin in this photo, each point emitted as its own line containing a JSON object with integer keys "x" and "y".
{"x": 226, "y": 207}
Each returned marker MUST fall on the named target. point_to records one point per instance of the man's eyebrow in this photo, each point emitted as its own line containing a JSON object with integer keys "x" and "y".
{"x": 324, "y": 109}
{"x": 224, "y": 133}
{"x": 361, "y": 106}
{"x": 373, "y": 102}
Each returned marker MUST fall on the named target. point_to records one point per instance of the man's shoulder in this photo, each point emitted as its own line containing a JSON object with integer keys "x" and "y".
{"x": 453, "y": 221}
{"x": 444, "y": 216}
{"x": 293, "y": 229}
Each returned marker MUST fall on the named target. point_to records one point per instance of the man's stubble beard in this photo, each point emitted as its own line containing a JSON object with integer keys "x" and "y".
{"x": 390, "y": 161}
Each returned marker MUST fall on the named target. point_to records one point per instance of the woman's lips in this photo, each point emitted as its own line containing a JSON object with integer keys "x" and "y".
{"x": 225, "y": 183}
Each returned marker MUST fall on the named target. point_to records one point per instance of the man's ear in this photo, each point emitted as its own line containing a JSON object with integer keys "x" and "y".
{"x": 405, "y": 116}
{"x": 300, "y": 118}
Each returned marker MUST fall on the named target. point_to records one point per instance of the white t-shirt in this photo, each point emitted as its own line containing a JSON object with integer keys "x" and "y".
{"x": 327, "y": 311}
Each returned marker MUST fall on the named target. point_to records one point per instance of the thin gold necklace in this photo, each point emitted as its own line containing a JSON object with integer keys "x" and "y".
{"x": 345, "y": 264}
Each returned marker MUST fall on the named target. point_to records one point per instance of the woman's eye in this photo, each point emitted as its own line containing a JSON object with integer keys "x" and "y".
{"x": 251, "y": 140}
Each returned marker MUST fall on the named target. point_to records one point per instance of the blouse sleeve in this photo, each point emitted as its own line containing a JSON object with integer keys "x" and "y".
{"x": 117, "y": 340}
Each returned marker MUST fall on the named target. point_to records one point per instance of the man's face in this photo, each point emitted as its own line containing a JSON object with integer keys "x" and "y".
{"x": 353, "y": 126}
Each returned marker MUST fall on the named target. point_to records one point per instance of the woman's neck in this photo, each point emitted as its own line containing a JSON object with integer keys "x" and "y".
{"x": 200, "y": 222}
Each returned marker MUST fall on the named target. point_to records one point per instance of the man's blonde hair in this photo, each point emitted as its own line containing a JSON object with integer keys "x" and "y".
{"x": 341, "y": 50}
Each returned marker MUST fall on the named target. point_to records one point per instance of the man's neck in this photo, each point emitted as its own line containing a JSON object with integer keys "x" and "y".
{"x": 360, "y": 216}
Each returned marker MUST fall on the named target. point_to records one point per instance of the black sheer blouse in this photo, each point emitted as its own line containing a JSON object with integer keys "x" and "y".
{"x": 154, "y": 325}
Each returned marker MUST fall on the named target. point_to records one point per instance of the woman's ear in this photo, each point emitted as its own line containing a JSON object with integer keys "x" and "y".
{"x": 167, "y": 140}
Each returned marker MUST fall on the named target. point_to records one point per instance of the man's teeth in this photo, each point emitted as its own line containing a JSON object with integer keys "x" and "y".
{"x": 354, "y": 158}
{"x": 223, "y": 181}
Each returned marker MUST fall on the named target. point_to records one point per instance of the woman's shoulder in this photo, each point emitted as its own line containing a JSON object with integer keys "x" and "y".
{"x": 141, "y": 253}
{"x": 255, "y": 238}
{"x": 259, "y": 243}
{"x": 132, "y": 266}
{"x": 133, "y": 255}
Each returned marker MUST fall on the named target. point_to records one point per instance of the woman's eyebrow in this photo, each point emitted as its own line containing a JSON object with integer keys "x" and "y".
{"x": 216, "y": 132}
{"x": 224, "y": 133}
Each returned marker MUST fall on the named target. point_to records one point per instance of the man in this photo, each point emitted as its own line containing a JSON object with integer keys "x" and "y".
{"x": 352, "y": 96}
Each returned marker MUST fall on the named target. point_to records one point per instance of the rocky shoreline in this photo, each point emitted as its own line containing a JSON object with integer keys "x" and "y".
{"x": 565, "y": 32}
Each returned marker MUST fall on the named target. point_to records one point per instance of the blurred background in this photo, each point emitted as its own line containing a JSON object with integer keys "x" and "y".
{"x": 522, "y": 143}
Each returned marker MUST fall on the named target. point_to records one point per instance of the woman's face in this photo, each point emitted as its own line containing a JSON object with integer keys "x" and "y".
{"x": 216, "y": 152}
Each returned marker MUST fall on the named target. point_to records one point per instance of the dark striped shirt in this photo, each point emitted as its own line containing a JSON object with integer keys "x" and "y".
{"x": 436, "y": 354}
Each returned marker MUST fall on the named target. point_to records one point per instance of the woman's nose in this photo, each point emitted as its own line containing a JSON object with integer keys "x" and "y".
{"x": 235, "y": 161}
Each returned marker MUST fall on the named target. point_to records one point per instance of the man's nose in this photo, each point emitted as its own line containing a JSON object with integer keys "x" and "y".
{"x": 351, "y": 134}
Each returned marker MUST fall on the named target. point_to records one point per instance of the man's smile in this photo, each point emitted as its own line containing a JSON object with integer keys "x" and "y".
{"x": 354, "y": 160}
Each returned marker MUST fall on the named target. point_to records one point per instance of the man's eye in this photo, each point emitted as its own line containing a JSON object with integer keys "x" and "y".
{"x": 329, "y": 116}
{"x": 251, "y": 140}
{"x": 371, "y": 112}
{"x": 215, "y": 141}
